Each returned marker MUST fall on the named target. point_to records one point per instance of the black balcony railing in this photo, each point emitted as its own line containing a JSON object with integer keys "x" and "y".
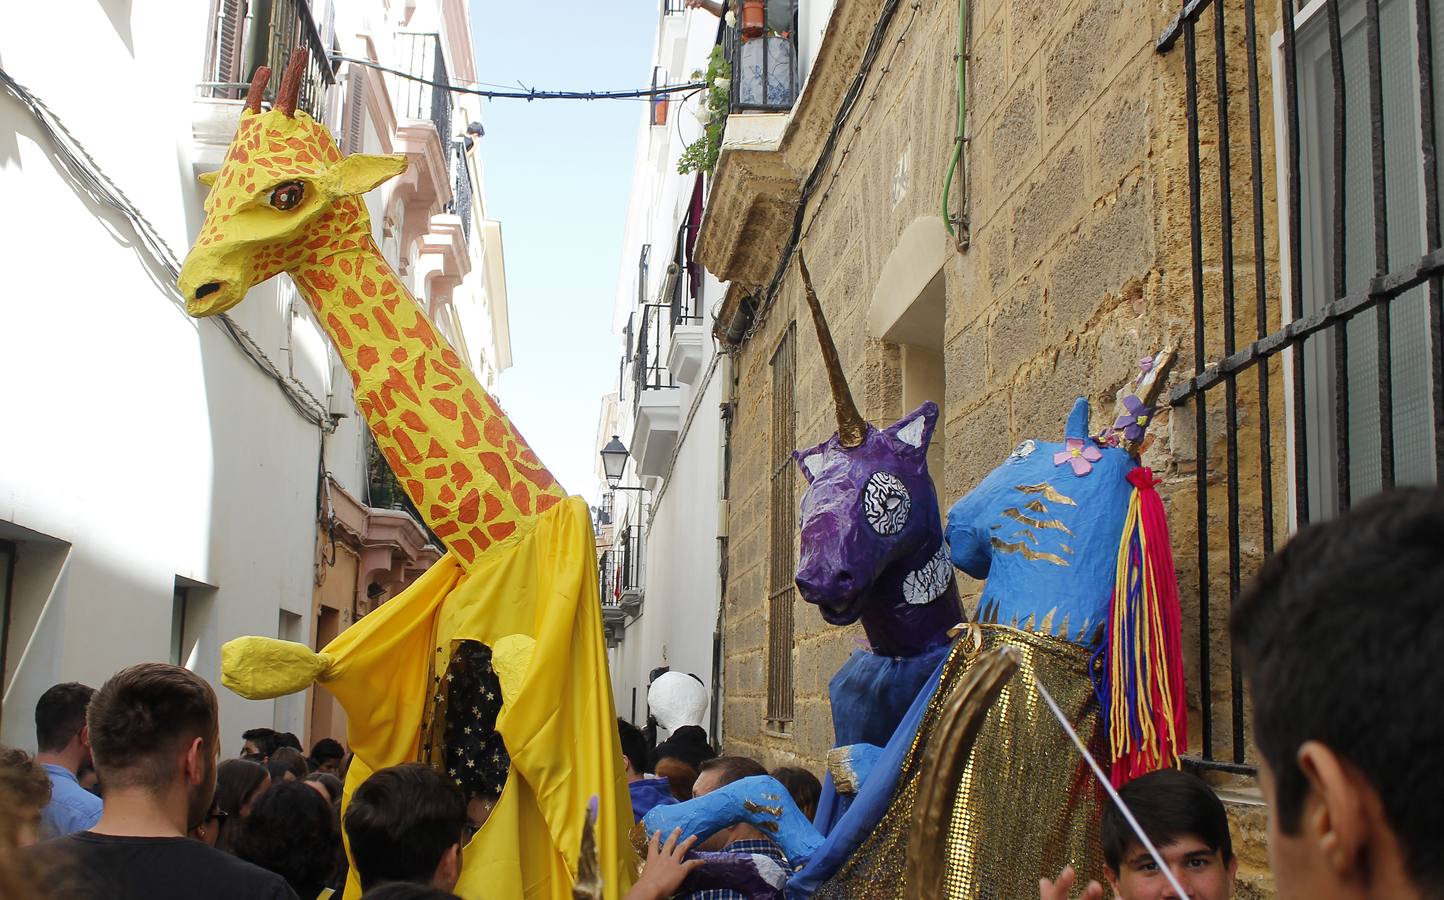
{"x": 674, "y": 7}
{"x": 762, "y": 51}
{"x": 607, "y": 575}
{"x": 660, "y": 104}
{"x": 686, "y": 294}
{"x": 420, "y": 54}
{"x": 649, "y": 362}
{"x": 620, "y": 568}
{"x": 247, "y": 35}
{"x": 460, "y": 204}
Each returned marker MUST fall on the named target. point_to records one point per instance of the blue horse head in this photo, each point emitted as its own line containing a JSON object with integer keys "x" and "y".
{"x": 1043, "y": 528}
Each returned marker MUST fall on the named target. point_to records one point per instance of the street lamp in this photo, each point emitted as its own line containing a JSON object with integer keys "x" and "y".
{"x": 614, "y": 463}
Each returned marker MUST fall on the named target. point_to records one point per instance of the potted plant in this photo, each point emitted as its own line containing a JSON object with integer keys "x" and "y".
{"x": 754, "y": 18}
{"x": 701, "y": 155}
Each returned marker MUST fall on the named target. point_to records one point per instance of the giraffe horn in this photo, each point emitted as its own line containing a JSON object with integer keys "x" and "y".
{"x": 851, "y": 427}
{"x": 258, "y": 88}
{"x": 291, "y": 82}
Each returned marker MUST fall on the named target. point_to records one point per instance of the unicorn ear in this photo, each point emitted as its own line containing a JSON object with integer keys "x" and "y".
{"x": 914, "y": 431}
{"x": 1078, "y": 420}
{"x": 810, "y": 461}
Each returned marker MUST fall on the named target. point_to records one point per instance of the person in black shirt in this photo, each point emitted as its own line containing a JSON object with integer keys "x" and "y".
{"x": 155, "y": 739}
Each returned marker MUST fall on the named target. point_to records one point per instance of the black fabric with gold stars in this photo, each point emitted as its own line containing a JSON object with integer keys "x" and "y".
{"x": 472, "y": 753}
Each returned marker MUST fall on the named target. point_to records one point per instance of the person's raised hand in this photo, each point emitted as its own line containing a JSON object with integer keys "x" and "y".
{"x": 1063, "y": 887}
{"x": 667, "y": 867}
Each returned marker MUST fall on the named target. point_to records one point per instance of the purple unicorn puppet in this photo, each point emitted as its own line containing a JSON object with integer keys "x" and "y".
{"x": 872, "y": 551}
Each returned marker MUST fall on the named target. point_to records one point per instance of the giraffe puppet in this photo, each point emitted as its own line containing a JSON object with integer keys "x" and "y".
{"x": 519, "y": 575}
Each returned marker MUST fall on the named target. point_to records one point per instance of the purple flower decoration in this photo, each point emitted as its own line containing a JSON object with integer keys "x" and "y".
{"x": 1080, "y": 454}
{"x": 1135, "y": 421}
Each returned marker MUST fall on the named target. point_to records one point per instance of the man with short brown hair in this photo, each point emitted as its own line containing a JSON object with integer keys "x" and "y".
{"x": 155, "y": 739}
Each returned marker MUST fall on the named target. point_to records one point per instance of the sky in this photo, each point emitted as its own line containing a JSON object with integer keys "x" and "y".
{"x": 558, "y": 173}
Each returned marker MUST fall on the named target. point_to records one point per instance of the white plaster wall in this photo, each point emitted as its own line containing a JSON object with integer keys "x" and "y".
{"x": 682, "y": 587}
{"x": 139, "y": 437}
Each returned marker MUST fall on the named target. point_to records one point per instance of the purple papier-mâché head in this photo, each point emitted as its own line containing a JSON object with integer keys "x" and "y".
{"x": 871, "y": 533}
{"x": 865, "y": 509}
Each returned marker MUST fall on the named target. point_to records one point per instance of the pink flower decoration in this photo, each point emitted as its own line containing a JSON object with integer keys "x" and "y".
{"x": 1080, "y": 454}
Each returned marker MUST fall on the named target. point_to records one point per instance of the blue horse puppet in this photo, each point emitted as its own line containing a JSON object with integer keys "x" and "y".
{"x": 1043, "y": 529}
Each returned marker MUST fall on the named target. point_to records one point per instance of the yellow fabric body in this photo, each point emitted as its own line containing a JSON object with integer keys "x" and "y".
{"x": 560, "y": 727}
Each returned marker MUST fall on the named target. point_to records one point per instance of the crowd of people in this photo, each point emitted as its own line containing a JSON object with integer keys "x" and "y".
{"x": 1338, "y": 636}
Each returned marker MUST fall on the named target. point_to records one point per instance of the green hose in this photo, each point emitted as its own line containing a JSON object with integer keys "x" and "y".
{"x": 962, "y": 115}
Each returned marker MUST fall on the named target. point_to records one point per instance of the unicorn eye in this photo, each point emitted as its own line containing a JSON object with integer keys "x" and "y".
{"x": 288, "y": 195}
{"x": 886, "y": 503}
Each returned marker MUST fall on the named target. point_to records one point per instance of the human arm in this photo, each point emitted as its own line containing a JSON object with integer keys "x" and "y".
{"x": 712, "y": 6}
{"x": 1061, "y": 889}
{"x": 666, "y": 868}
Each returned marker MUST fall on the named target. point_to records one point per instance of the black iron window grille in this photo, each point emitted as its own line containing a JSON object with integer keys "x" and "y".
{"x": 1350, "y": 303}
{"x": 247, "y": 35}
{"x": 674, "y": 7}
{"x": 420, "y": 53}
{"x": 783, "y": 533}
{"x": 762, "y": 51}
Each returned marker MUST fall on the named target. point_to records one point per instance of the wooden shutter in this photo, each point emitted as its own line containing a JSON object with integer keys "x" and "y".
{"x": 230, "y": 36}
{"x": 355, "y": 108}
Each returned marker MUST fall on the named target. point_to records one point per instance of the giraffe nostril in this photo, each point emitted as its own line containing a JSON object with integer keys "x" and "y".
{"x": 207, "y": 289}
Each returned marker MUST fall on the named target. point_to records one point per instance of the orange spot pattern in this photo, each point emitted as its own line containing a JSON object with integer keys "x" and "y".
{"x": 450, "y": 445}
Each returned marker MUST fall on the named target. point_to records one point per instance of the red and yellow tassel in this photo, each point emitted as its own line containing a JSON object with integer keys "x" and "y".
{"x": 1144, "y": 703}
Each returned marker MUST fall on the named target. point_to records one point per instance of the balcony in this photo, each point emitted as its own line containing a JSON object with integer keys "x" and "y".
{"x": 621, "y": 572}
{"x": 243, "y": 38}
{"x": 769, "y": 149}
{"x": 684, "y": 290}
{"x": 423, "y": 133}
{"x": 656, "y": 397}
{"x": 762, "y": 51}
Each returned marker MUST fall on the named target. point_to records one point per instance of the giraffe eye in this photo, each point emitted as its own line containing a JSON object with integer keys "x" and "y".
{"x": 288, "y": 195}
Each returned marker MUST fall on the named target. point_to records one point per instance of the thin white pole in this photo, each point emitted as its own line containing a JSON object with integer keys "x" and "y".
{"x": 1108, "y": 786}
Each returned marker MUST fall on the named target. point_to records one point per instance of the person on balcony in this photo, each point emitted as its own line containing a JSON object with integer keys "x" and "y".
{"x": 766, "y": 62}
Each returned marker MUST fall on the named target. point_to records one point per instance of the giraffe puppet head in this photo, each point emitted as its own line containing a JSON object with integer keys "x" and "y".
{"x": 284, "y": 197}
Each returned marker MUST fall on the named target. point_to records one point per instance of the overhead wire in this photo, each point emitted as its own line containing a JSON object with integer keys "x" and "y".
{"x": 525, "y": 93}
{"x": 88, "y": 175}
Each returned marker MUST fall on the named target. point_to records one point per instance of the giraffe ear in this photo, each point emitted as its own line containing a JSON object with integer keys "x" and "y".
{"x": 360, "y": 172}
{"x": 208, "y": 178}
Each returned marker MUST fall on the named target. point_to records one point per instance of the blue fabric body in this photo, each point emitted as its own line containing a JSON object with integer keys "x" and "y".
{"x": 870, "y": 694}
{"x": 853, "y": 826}
{"x": 647, "y": 793}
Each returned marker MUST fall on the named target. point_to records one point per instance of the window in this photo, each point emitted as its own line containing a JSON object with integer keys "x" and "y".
{"x": 7, "y": 570}
{"x": 288, "y": 713}
{"x": 178, "y": 626}
{"x": 1342, "y": 413}
{"x": 224, "y": 63}
{"x": 783, "y": 529}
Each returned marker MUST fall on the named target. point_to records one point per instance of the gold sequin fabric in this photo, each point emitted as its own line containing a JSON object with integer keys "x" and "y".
{"x": 1026, "y": 804}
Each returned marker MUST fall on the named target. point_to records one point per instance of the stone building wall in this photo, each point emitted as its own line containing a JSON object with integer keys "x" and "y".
{"x": 1078, "y": 264}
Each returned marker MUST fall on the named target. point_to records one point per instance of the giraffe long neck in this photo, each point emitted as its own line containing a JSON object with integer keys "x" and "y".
{"x": 470, "y": 474}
